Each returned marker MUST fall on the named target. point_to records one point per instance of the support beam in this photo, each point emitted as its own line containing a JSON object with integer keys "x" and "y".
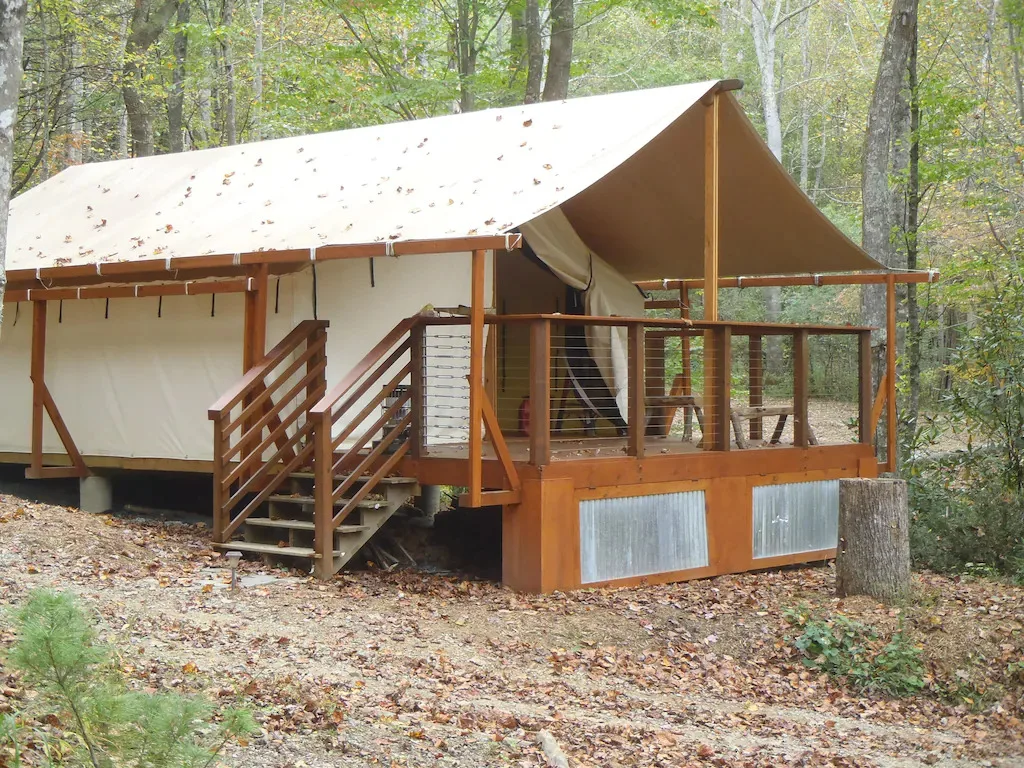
{"x": 863, "y": 278}
{"x": 686, "y": 361}
{"x": 476, "y": 378}
{"x": 711, "y": 210}
{"x": 722, "y": 351}
{"x": 256, "y": 319}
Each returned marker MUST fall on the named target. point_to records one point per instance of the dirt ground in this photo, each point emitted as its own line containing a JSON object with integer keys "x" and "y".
{"x": 409, "y": 669}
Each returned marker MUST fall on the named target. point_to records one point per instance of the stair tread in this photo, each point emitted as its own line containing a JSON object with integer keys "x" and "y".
{"x": 382, "y": 481}
{"x": 365, "y": 504}
{"x": 300, "y": 525}
{"x": 273, "y": 549}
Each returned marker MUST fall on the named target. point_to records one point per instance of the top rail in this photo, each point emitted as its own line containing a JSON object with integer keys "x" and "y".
{"x": 738, "y": 328}
{"x": 282, "y": 349}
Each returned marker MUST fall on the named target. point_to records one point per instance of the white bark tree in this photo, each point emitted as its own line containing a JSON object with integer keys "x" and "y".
{"x": 12, "y": 30}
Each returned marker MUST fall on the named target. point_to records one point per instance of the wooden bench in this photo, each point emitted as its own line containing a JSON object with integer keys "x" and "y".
{"x": 738, "y": 416}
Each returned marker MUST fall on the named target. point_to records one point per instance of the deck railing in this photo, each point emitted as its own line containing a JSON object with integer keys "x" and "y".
{"x": 262, "y": 428}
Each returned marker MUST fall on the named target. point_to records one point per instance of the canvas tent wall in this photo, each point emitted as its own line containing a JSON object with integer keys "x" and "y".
{"x": 134, "y": 384}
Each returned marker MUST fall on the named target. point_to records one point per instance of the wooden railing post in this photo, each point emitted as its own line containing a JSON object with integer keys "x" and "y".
{"x": 323, "y": 493}
{"x": 417, "y": 382}
{"x": 221, "y": 444}
{"x": 801, "y": 386}
{"x": 637, "y": 409}
{"x": 722, "y": 352}
{"x": 540, "y": 392}
{"x": 686, "y": 362}
{"x": 756, "y": 354}
{"x": 865, "y": 428}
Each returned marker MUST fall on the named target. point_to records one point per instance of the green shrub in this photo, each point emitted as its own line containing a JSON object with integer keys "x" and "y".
{"x": 965, "y": 520}
{"x": 80, "y": 687}
{"x": 854, "y": 653}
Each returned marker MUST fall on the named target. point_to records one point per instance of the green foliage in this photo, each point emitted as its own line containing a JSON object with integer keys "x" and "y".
{"x": 854, "y": 653}
{"x": 58, "y": 655}
{"x": 964, "y": 520}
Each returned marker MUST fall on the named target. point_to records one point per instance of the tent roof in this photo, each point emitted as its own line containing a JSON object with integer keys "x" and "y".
{"x": 627, "y": 170}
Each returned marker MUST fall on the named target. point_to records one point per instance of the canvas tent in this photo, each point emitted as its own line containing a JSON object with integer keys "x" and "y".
{"x": 606, "y": 189}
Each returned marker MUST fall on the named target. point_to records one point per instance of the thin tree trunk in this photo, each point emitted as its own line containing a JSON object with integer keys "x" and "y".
{"x": 176, "y": 96}
{"x": 1018, "y": 83}
{"x": 805, "y": 102}
{"x": 44, "y": 96}
{"x": 913, "y": 209}
{"x": 257, "y": 81}
{"x": 556, "y": 85}
{"x": 12, "y": 30}
{"x": 876, "y": 192}
{"x": 534, "y": 52}
{"x": 230, "y": 128}
{"x": 74, "y": 152}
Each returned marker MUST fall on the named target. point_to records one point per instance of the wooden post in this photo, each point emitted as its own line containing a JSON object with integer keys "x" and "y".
{"x": 686, "y": 362}
{"x": 540, "y": 392}
{"x": 801, "y": 384}
{"x": 722, "y": 351}
{"x": 220, "y": 447}
{"x": 756, "y": 354}
{"x": 476, "y": 379}
{"x": 865, "y": 428}
{"x": 712, "y": 416}
{"x": 38, "y": 367}
{"x": 711, "y": 209}
{"x": 416, "y": 350}
{"x": 637, "y": 410}
{"x": 890, "y": 365}
{"x": 323, "y": 496}
{"x": 873, "y": 557}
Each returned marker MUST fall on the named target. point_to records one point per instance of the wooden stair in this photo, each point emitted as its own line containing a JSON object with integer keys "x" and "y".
{"x": 285, "y": 531}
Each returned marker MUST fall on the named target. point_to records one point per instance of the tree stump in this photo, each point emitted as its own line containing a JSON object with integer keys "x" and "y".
{"x": 873, "y": 557}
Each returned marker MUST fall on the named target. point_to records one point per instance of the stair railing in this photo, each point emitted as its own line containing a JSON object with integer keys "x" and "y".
{"x": 268, "y": 409}
{"x": 344, "y": 428}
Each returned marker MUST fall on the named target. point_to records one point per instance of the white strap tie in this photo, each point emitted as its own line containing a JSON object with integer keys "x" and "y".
{"x": 312, "y": 254}
{"x": 817, "y": 280}
{"x": 186, "y": 287}
{"x": 136, "y": 291}
{"x": 236, "y": 259}
{"x": 79, "y": 293}
{"x": 167, "y": 264}
{"x": 739, "y": 282}
{"x": 98, "y": 268}
{"x": 389, "y": 248}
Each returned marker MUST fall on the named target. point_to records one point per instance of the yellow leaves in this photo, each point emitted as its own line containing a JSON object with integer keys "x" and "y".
{"x": 207, "y": 588}
{"x": 190, "y": 668}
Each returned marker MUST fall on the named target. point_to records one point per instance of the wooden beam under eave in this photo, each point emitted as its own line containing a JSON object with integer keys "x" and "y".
{"x": 783, "y": 281}
{"x": 255, "y": 338}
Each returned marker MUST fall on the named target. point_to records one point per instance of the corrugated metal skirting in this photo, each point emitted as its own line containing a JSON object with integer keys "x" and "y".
{"x": 795, "y": 517}
{"x": 642, "y": 535}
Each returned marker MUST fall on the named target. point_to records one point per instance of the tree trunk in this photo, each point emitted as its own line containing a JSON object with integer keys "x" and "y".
{"x": 534, "y": 52}
{"x": 877, "y": 195}
{"x": 873, "y": 557}
{"x": 913, "y": 211}
{"x": 556, "y": 86}
{"x": 176, "y": 96}
{"x": 1018, "y": 82}
{"x": 257, "y": 78}
{"x": 144, "y": 30}
{"x": 74, "y": 152}
{"x": 805, "y": 103}
{"x": 12, "y": 29}
{"x": 44, "y": 96}
{"x": 227, "y": 18}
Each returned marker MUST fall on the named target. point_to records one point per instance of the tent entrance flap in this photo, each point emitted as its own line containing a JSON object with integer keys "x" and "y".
{"x": 606, "y": 292}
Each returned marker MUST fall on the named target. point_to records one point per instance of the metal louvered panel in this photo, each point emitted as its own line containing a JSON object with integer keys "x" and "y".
{"x": 642, "y": 535}
{"x": 795, "y": 517}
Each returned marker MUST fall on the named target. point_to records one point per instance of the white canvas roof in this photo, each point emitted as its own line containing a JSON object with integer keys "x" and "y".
{"x": 626, "y": 169}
